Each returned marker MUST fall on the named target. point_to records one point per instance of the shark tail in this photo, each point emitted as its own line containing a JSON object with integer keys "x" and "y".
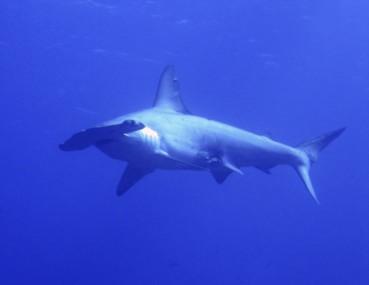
{"x": 310, "y": 152}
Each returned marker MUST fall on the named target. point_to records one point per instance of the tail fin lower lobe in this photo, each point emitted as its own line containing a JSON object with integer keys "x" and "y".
{"x": 312, "y": 149}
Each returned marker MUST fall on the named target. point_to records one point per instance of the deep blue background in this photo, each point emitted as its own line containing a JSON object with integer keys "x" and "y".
{"x": 288, "y": 69}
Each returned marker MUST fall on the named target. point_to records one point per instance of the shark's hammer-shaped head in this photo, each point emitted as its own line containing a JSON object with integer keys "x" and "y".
{"x": 133, "y": 133}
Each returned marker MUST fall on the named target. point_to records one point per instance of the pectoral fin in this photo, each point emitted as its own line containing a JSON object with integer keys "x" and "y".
{"x": 130, "y": 177}
{"x": 89, "y": 137}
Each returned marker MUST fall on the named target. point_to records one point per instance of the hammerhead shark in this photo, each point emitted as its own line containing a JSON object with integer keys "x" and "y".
{"x": 168, "y": 136}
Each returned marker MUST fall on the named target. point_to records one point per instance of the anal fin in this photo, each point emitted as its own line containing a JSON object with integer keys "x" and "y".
{"x": 266, "y": 170}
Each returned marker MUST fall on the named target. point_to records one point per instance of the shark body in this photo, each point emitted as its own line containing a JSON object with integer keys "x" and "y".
{"x": 168, "y": 136}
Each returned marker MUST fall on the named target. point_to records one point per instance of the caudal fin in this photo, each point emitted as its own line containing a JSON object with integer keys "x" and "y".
{"x": 312, "y": 149}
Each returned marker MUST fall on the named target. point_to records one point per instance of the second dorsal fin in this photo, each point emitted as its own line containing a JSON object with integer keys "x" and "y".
{"x": 168, "y": 93}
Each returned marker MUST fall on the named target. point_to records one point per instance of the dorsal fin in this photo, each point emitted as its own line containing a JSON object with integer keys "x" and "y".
{"x": 168, "y": 93}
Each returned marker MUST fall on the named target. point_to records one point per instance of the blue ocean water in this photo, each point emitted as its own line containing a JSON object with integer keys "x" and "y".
{"x": 287, "y": 69}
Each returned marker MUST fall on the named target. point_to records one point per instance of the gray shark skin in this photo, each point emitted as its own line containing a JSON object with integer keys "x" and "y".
{"x": 168, "y": 136}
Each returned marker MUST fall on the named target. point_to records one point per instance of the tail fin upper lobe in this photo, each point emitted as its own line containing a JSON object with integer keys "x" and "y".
{"x": 312, "y": 149}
